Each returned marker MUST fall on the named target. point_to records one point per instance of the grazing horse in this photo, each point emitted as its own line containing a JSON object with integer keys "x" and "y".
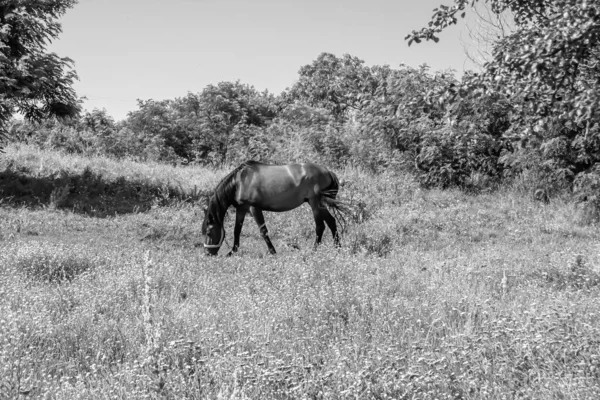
{"x": 254, "y": 187}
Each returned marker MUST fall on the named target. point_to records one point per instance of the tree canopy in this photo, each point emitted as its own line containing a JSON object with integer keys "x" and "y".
{"x": 34, "y": 82}
{"x": 550, "y": 61}
{"x": 333, "y": 83}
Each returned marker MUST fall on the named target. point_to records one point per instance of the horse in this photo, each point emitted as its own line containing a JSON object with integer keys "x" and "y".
{"x": 256, "y": 187}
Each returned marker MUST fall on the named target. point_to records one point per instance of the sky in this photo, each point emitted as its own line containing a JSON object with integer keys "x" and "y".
{"x": 126, "y": 50}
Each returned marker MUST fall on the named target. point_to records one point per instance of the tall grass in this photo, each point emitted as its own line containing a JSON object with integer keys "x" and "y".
{"x": 435, "y": 294}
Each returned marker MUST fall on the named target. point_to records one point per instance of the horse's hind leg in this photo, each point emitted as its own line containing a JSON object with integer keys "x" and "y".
{"x": 319, "y": 220}
{"x": 331, "y": 223}
{"x": 260, "y": 221}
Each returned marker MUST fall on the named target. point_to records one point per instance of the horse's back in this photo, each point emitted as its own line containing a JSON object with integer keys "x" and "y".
{"x": 283, "y": 187}
{"x": 300, "y": 174}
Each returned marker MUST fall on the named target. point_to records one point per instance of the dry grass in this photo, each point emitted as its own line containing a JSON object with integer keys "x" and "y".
{"x": 435, "y": 294}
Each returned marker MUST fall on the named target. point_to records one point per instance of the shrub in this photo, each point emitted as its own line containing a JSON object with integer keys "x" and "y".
{"x": 454, "y": 156}
{"x": 532, "y": 175}
{"x": 587, "y": 191}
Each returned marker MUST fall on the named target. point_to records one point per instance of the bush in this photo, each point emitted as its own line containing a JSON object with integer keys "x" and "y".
{"x": 587, "y": 191}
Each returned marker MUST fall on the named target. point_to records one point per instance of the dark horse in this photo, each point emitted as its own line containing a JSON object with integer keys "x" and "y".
{"x": 254, "y": 187}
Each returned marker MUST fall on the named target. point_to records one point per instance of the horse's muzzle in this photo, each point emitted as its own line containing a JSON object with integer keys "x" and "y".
{"x": 211, "y": 252}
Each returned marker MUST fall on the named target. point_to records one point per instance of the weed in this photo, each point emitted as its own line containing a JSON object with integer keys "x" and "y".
{"x": 58, "y": 197}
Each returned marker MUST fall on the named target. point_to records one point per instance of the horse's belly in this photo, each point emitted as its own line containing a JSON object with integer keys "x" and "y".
{"x": 279, "y": 202}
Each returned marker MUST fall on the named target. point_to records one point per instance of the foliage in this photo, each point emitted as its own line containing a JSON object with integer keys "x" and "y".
{"x": 232, "y": 112}
{"x": 205, "y": 128}
{"x": 335, "y": 84}
{"x": 548, "y": 62}
{"x": 33, "y": 82}
{"x": 395, "y": 126}
{"x": 202, "y": 127}
{"x": 94, "y": 133}
{"x": 547, "y": 69}
{"x": 529, "y": 116}
{"x": 302, "y": 133}
{"x": 587, "y": 191}
{"x": 445, "y": 146}
{"x": 342, "y": 112}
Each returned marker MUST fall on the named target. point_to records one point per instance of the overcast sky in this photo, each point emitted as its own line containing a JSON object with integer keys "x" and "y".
{"x": 149, "y": 49}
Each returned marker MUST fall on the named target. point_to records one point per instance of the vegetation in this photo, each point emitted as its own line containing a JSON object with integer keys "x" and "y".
{"x": 486, "y": 289}
{"x": 547, "y": 67}
{"x": 381, "y": 122}
{"x": 434, "y": 294}
{"x": 529, "y": 113}
{"x": 33, "y": 82}
{"x": 342, "y": 112}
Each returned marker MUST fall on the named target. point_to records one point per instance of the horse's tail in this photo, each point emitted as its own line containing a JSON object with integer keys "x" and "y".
{"x": 337, "y": 207}
{"x": 331, "y": 191}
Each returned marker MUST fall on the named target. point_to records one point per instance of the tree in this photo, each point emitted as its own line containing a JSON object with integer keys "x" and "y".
{"x": 335, "y": 84}
{"x": 549, "y": 70}
{"x": 156, "y": 122}
{"x": 548, "y": 62}
{"x": 232, "y": 112}
{"x": 34, "y": 82}
{"x": 202, "y": 127}
{"x": 98, "y": 121}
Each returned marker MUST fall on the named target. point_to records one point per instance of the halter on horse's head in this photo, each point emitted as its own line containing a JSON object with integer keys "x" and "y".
{"x": 210, "y": 244}
{"x": 213, "y": 232}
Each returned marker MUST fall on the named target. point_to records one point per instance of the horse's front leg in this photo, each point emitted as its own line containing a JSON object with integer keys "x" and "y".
{"x": 260, "y": 221}
{"x": 240, "y": 214}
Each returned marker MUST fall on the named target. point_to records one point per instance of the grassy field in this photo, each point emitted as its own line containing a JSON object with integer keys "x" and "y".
{"x": 105, "y": 293}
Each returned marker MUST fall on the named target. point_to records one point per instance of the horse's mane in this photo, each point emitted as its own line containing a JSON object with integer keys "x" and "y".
{"x": 224, "y": 193}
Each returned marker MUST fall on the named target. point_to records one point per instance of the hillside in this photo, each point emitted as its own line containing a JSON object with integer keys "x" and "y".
{"x": 104, "y": 292}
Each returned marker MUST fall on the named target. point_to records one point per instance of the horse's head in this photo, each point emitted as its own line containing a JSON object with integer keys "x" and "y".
{"x": 213, "y": 233}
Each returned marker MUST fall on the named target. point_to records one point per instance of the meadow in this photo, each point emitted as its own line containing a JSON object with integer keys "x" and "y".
{"x": 105, "y": 292}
